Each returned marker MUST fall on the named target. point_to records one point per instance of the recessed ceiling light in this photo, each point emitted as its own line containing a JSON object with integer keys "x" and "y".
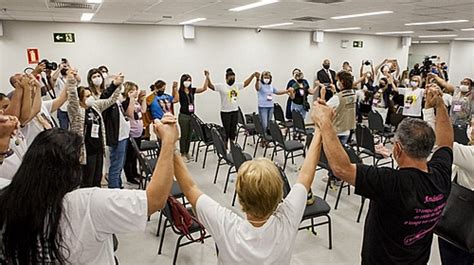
{"x": 253, "y": 5}
{"x": 94, "y": 1}
{"x": 276, "y": 25}
{"x": 394, "y": 33}
{"x": 192, "y": 21}
{"x": 436, "y": 22}
{"x": 342, "y": 29}
{"x": 87, "y": 16}
{"x": 438, "y": 36}
{"x": 463, "y": 38}
{"x": 428, "y": 41}
{"x": 468, "y": 29}
{"x": 363, "y": 14}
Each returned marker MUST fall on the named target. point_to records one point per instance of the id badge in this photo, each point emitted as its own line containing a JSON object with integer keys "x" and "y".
{"x": 139, "y": 115}
{"x": 456, "y": 107}
{"x": 269, "y": 98}
{"x": 302, "y": 92}
{"x": 191, "y": 108}
{"x": 95, "y": 131}
{"x": 375, "y": 101}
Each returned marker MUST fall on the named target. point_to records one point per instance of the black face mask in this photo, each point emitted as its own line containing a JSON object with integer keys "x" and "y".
{"x": 382, "y": 85}
{"x": 230, "y": 82}
{"x": 160, "y": 92}
{"x": 300, "y": 80}
{"x": 326, "y": 66}
{"x": 64, "y": 71}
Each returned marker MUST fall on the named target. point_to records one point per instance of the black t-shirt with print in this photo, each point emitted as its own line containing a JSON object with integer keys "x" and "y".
{"x": 185, "y": 100}
{"x": 405, "y": 206}
{"x": 93, "y": 145}
{"x": 301, "y": 91}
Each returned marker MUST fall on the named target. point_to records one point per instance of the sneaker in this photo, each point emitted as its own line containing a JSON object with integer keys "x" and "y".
{"x": 310, "y": 198}
{"x": 185, "y": 158}
{"x": 189, "y": 157}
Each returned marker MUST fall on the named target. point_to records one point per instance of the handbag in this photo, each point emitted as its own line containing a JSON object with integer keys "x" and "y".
{"x": 182, "y": 220}
{"x": 456, "y": 224}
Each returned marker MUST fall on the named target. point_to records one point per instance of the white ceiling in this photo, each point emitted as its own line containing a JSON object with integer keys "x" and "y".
{"x": 172, "y": 12}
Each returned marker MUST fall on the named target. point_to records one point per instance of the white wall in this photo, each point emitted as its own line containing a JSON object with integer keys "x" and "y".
{"x": 461, "y": 61}
{"x": 418, "y": 52}
{"x": 147, "y": 53}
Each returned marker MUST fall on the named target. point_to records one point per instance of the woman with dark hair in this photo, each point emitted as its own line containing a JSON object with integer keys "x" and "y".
{"x": 85, "y": 114}
{"x": 186, "y": 94}
{"x": 229, "y": 93}
{"x": 95, "y": 80}
{"x": 53, "y": 222}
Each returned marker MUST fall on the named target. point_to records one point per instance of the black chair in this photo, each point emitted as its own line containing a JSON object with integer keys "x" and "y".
{"x": 195, "y": 228}
{"x": 288, "y": 147}
{"x": 203, "y": 141}
{"x": 299, "y": 126}
{"x": 239, "y": 158}
{"x": 146, "y": 165}
{"x": 262, "y": 136}
{"x": 396, "y": 119}
{"x": 247, "y": 128}
{"x": 223, "y": 158}
{"x": 280, "y": 119}
{"x": 460, "y": 135}
{"x": 378, "y": 128}
{"x": 319, "y": 208}
{"x": 366, "y": 145}
{"x": 150, "y": 147}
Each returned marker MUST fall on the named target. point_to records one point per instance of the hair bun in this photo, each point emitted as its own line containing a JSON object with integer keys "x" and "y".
{"x": 229, "y": 70}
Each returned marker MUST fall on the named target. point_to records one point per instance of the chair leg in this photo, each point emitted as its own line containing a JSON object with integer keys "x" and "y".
{"x": 256, "y": 147}
{"x": 162, "y": 237}
{"x": 348, "y": 189}
{"x": 312, "y": 227}
{"x": 330, "y": 231}
{"x": 274, "y": 152}
{"x": 339, "y": 195}
{"x": 205, "y": 157}
{"x": 293, "y": 158}
{"x": 265, "y": 151}
{"x": 234, "y": 198}
{"x": 327, "y": 188}
{"x": 245, "y": 142}
{"x": 175, "y": 257}
{"x": 227, "y": 179}
{"x": 159, "y": 224}
{"x": 197, "y": 151}
{"x": 361, "y": 208}
{"x": 286, "y": 158}
{"x": 217, "y": 170}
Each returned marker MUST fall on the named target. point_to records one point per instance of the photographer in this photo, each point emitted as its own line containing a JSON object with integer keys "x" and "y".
{"x": 386, "y": 68}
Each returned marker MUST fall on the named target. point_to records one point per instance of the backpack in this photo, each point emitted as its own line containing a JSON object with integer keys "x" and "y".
{"x": 182, "y": 220}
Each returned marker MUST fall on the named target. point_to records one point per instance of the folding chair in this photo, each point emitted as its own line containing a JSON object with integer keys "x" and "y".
{"x": 288, "y": 147}
{"x": 202, "y": 140}
{"x": 378, "y": 128}
{"x": 280, "y": 119}
{"x": 261, "y": 135}
{"x": 247, "y": 128}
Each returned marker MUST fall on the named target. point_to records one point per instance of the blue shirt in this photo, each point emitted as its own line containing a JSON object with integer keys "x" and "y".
{"x": 265, "y": 95}
{"x": 160, "y": 103}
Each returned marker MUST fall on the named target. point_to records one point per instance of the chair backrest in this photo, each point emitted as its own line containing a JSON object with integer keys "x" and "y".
{"x": 298, "y": 121}
{"x": 276, "y": 133}
{"x": 278, "y": 113}
{"x": 240, "y": 118}
{"x": 237, "y": 155}
{"x": 309, "y": 139}
{"x": 364, "y": 138}
{"x": 197, "y": 127}
{"x": 460, "y": 135}
{"x": 286, "y": 183}
{"x": 395, "y": 119}
{"x": 258, "y": 125}
{"x": 218, "y": 144}
{"x": 375, "y": 121}
{"x": 353, "y": 157}
{"x": 142, "y": 160}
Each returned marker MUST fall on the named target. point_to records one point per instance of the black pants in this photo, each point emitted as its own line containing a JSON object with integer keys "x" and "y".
{"x": 229, "y": 122}
{"x": 92, "y": 171}
{"x": 130, "y": 165}
{"x": 452, "y": 255}
{"x": 184, "y": 121}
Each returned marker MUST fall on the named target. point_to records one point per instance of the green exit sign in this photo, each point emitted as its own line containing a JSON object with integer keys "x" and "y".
{"x": 357, "y": 44}
{"x": 64, "y": 37}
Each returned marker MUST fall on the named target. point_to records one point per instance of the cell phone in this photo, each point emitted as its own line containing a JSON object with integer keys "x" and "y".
{"x": 64, "y": 60}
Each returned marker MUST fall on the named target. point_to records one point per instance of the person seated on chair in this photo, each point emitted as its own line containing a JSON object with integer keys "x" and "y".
{"x": 268, "y": 231}
{"x": 398, "y": 229}
{"x": 46, "y": 219}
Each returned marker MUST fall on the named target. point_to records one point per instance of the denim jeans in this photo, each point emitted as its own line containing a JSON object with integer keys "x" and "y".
{"x": 117, "y": 159}
{"x": 299, "y": 108}
{"x": 63, "y": 119}
{"x": 266, "y": 114}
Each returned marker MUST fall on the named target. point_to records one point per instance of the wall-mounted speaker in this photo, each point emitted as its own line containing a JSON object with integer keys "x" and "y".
{"x": 188, "y": 32}
{"x": 406, "y": 41}
{"x": 318, "y": 36}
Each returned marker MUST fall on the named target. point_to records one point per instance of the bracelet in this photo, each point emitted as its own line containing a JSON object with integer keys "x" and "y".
{"x": 5, "y": 155}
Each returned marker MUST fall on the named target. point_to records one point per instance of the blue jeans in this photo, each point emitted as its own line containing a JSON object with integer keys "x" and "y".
{"x": 117, "y": 159}
{"x": 63, "y": 119}
{"x": 266, "y": 114}
{"x": 299, "y": 108}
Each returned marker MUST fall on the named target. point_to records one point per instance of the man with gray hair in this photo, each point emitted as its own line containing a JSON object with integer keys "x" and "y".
{"x": 405, "y": 203}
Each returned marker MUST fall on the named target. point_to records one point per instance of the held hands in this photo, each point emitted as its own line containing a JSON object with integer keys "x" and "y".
{"x": 166, "y": 128}
{"x": 8, "y": 126}
{"x": 118, "y": 80}
{"x": 206, "y": 73}
{"x": 322, "y": 114}
{"x": 434, "y": 97}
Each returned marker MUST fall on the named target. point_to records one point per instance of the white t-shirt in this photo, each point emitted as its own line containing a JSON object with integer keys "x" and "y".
{"x": 124, "y": 125}
{"x": 92, "y": 215}
{"x": 58, "y": 88}
{"x": 229, "y": 96}
{"x": 412, "y": 101}
{"x": 239, "y": 242}
{"x": 34, "y": 127}
{"x": 10, "y": 165}
{"x": 4, "y": 183}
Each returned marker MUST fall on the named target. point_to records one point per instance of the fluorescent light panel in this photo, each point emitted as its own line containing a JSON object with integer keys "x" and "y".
{"x": 463, "y": 38}
{"x": 94, "y": 1}
{"x": 342, "y": 29}
{"x": 394, "y": 33}
{"x": 363, "y": 14}
{"x": 276, "y": 25}
{"x": 253, "y": 5}
{"x": 468, "y": 29}
{"x": 87, "y": 16}
{"x": 438, "y": 36}
{"x": 436, "y": 22}
{"x": 192, "y": 21}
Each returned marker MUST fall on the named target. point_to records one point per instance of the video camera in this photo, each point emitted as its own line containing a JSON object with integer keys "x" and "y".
{"x": 427, "y": 63}
{"x": 49, "y": 65}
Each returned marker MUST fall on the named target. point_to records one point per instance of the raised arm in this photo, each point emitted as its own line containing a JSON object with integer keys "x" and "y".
{"x": 175, "y": 93}
{"x": 204, "y": 87}
{"x": 443, "y": 82}
{"x": 249, "y": 79}
{"x": 14, "y": 109}
{"x": 160, "y": 185}
{"x": 337, "y": 157}
{"x": 36, "y": 104}
{"x": 257, "y": 83}
{"x": 59, "y": 101}
{"x": 103, "y": 104}
{"x": 185, "y": 181}
{"x": 443, "y": 127}
{"x": 130, "y": 111}
{"x": 306, "y": 174}
{"x": 380, "y": 65}
{"x": 208, "y": 80}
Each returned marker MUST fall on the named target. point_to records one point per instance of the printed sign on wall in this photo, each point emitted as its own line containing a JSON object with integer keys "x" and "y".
{"x": 33, "y": 55}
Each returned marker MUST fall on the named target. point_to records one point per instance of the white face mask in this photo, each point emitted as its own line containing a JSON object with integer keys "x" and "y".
{"x": 414, "y": 84}
{"x": 469, "y": 133}
{"x": 97, "y": 81}
{"x": 187, "y": 84}
{"x": 90, "y": 101}
{"x": 266, "y": 80}
{"x": 464, "y": 88}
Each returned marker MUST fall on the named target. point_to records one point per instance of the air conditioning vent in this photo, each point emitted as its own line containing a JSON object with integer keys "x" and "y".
{"x": 69, "y": 5}
{"x": 323, "y": 1}
{"x": 142, "y": 21}
{"x": 308, "y": 19}
{"x": 440, "y": 30}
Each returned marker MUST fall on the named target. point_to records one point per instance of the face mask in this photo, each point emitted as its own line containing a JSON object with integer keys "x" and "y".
{"x": 266, "y": 80}
{"x": 414, "y": 84}
{"x": 90, "y": 101}
{"x": 230, "y": 81}
{"x": 160, "y": 92}
{"x": 97, "y": 81}
{"x": 326, "y": 66}
{"x": 187, "y": 84}
{"x": 464, "y": 88}
{"x": 64, "y": 71}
